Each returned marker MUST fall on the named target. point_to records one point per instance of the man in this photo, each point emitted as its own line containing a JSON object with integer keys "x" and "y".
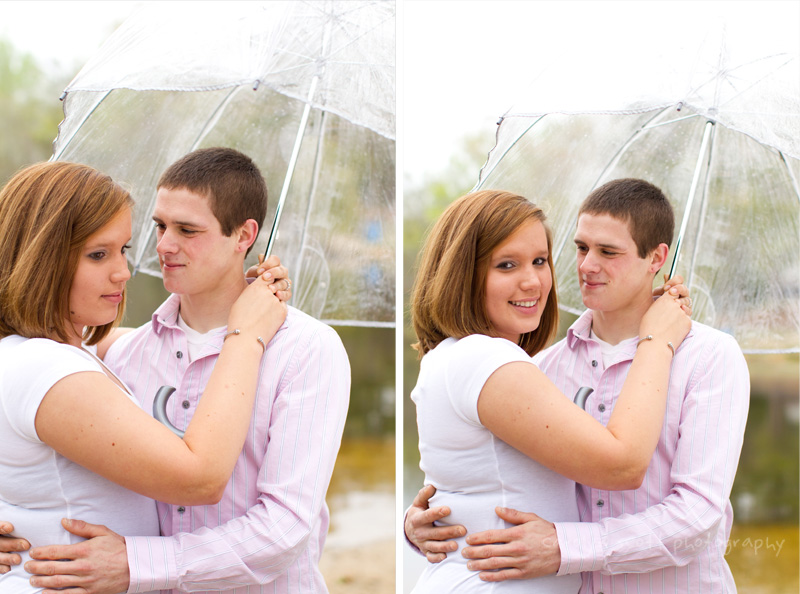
{"x": 670, "y": 534}
{"x": 268, "y": 531}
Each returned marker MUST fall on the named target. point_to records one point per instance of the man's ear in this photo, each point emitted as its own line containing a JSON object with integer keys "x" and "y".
{"x": 246, "y": 235}
{"x": 658, "y": 257}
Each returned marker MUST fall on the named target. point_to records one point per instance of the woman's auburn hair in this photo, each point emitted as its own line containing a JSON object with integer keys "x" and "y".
{"x": 48, "y": 211}
{"x": 449, "y": 294}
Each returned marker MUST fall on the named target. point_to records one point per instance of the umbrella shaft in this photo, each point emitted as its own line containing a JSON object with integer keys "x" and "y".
{"x": 692, "y": 192}
{"x": 301, "y": 130}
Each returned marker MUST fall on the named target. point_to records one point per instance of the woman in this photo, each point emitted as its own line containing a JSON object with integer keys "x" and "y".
{"x": 483, "y": 303}
{"x": 75, "y": 443}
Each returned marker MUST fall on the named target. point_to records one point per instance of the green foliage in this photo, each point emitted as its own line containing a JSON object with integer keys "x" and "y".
{"x": 29, "y": 110}
{"x": 372, "y": 394}
{"x": 767, "y": 487}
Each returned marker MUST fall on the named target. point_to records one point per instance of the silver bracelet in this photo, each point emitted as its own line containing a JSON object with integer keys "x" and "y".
{"x": 650, "y": 337}
{"x": 237, "y": 331}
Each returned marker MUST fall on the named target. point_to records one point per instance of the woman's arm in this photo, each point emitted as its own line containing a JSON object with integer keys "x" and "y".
{"x": 523, "y": 408}
{"x": 86, "y": 419}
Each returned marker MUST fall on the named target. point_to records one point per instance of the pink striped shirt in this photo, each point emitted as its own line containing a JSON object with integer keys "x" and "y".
{"x": 670, "y": 534}
{"x": 267, "y": 533}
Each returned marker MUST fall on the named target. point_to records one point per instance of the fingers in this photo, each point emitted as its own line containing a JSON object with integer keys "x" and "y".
{"x": 85, "y": 529}
{"x": 435, "y": 557}
{"x": 13, "y": 545}
{"x": 55, "y": 552}
{"x": 9, "y": 548}
{"x": 492, "y": 536}
{"x": 420, "y": 519}
{"x": 272, "y": 262}
{"x": 515, "y": 516}
{"x": 46, "y": 577}
{"x": 512, "y": 573}
{"x": 423, "y": 496}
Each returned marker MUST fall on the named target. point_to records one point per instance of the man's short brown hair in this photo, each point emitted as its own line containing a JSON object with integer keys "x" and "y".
{"x": 641, "y": 205}
{"x": 232, "y": 183}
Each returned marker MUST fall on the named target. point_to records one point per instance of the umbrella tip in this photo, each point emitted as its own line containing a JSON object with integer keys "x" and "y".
{"x": 255, "y": 84}
{"x": 63, "y": 96}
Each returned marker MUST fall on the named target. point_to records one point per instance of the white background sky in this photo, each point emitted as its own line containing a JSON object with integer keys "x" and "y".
{"x": 462, "y": 63}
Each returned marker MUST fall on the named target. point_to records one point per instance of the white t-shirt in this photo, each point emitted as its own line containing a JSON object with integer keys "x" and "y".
{"x": 474, "y": 471}
{"x": 38, "y": 486}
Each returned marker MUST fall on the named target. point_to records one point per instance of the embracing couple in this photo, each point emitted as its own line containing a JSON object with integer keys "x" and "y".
{"x": 262, "y": 392}
{"x": 526, "y": 492}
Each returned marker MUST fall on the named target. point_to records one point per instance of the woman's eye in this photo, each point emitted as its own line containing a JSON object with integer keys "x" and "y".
{"x": 125, "y": 248}
{"x": 540, "y": 261}
{"x": 97, "y": 256}
{"x": 505, "y": 266}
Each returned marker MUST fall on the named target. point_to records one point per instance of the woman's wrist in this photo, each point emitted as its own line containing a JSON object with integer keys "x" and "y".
{"x": 652, "y": 340}
{"x": 238, "y": 334}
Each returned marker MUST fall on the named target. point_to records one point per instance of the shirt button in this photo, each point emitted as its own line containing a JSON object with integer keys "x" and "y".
{"x": 600, "y": 503}
{"x": 181, "y": 509}
{"x": 601, "y": 407}
{"x": 179, "y": 354}
{"x": 185, "y": 404}
{"x": 594, "y": 363}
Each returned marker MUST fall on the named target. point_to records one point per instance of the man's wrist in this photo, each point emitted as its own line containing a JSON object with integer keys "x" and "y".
{"x": 151, "y": 564}
{"x": 580, "y": 547}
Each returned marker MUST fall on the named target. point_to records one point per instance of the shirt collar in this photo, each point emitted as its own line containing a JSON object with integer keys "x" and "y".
{"x": 580, "y": 329}
{"x": 166, "y": 316}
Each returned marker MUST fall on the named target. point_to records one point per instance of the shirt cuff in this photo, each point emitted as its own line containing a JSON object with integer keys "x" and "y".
{"x": 581, "y": 547}
{"x": 151, "y": 561}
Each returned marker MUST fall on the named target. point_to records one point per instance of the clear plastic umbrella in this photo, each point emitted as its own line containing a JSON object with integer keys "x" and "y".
{"x": 306, "y": 88}
{"x": 717, "y": 127}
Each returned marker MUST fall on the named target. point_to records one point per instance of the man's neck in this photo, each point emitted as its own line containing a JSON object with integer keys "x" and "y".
{"x": 205, "y": 311}
{"x": 615, "y": 326}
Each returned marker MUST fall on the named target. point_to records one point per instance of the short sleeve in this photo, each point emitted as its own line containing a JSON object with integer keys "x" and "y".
{"x": 472, "y": 361}
{"x": 32, "y": 369}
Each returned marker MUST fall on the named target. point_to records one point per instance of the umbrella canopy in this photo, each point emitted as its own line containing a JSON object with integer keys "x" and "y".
{"x": 306, "y": 89}
{"x": 717, "y": 127}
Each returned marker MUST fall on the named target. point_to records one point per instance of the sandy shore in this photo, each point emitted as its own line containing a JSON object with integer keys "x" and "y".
{"x": 368, "y": 569}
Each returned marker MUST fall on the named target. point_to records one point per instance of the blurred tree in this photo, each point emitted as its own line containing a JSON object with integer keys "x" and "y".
{"x": 29, "y": 110}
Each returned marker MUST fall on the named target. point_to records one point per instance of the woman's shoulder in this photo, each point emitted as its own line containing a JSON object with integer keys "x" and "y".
{"x": 484, "y": 343}
{"x": 21, "y": 353}
{"x": 474, "y": 350}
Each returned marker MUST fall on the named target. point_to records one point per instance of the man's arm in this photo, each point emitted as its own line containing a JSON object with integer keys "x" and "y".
{"x": 306, "y": 426}
{"x": 668, "y": 534}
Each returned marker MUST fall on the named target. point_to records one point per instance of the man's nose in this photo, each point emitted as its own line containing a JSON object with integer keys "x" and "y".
{"x": 589, "y": 263}
{"x": 166, "y": 244}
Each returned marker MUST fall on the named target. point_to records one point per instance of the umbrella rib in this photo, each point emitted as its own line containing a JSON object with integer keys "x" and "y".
{"x": 612, "y": 163}
{"x": 55, "y": 157}
{"x": 791, "y": 176}
{"x": 312, "y": 191}
{"x": 703, "y": 207}
{"x": 481, "y": 176}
